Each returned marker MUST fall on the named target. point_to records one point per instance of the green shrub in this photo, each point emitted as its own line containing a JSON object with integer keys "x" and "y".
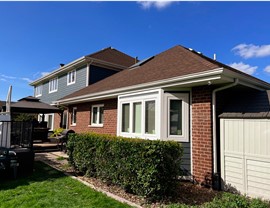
{"x": 144, "y": 167}
{"x": 229, "y": 200}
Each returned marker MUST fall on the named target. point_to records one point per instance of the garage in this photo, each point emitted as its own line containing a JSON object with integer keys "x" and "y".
{"x": 245, "y": 153}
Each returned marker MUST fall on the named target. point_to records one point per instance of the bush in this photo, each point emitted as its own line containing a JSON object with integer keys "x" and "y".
{"x": 229, "y": 200}
{"x": 144, "y": 167}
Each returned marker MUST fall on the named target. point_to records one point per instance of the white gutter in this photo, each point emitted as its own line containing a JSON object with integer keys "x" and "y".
{"x": 214, "y": 120}
{"x": 187, "y": 79}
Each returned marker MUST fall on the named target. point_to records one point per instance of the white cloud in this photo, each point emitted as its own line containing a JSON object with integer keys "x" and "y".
{"x": 26, "y": 79}
{"x": 244, "y": 67}
{"x": 267, "y": 69}
{"x": 2, "y": 79}
{"x": 250, "y": 50}
{"x": 7, "y": 77}
{"x": 43, "y": 74}
{"x": 156, "y": 4}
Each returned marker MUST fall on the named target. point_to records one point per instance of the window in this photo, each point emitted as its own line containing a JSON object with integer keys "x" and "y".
{"x": 74, "y": 116}
{"x": 175, "y": 120}
{"x": 38, "y": 91}
{"x": 97, "y": 116}
{"x": 71, "y": 77}
{"x": 150, "y": 117}
{"x": 177, "y": 116}
{"x": 125, "y": 117}
{"x": 137, "y": 117}
{"x": 141, "y": 116}
{"x": 53, "y": 85}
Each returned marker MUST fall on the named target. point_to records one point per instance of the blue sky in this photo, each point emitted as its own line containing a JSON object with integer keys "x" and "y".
{"x": 35, "y": 37}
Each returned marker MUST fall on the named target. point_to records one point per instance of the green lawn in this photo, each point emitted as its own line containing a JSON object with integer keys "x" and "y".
{"x": 47, "y": 187}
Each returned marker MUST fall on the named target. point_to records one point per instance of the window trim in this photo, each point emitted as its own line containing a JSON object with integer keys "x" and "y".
{"x": 41, "y": 88}
{"x": 72, "y": 116}
{"x": 69, "y": 74}
{"x": 51, "y": 80}
{"x": 143, "y": 113}
{"x": 98, "y": 124}
{"x": 184, "y": 97}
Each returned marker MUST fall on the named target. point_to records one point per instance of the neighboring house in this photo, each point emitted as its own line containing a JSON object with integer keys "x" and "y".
{"x": 175, "y": 95}
{"x": 76, "y": 75}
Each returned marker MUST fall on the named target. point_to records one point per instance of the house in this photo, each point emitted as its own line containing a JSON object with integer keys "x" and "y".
{"x": 175, "y": 95}
{"x": 76, "y": 75}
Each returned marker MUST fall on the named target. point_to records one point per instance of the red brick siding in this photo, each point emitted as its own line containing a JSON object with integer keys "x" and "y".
{"x": 57, "y": 120}
{"x": 84, "y": 116}
{"x": 202, "y": 134}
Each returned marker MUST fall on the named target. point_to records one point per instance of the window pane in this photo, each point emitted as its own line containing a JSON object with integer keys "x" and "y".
{"x": 125, "y": 118}
{"x": 101, "y": 109}
{"x": 137, "y": 115}
{"x": 49, "y": 124}
{"x": 95, "y": 110}
{"x": 175, "y": 117}
{"x": 74, "y": 115}
{"x": 150, "y": 117}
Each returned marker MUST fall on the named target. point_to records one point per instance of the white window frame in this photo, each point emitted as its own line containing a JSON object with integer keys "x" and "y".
{"x": 38, "y": 90}
{"x": 72, "y": 116}
{"x": 184, "y": 97}
{"x": 69, "y": 76}
{"x": 98, "y": 124}
{"x": 55, "y": 85}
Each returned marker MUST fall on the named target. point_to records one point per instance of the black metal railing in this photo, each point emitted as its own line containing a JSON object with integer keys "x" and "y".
{"x": 21, "y": 133}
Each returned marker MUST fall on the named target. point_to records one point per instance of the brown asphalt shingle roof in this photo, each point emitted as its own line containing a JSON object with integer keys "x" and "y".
{"x": 113, "y": 56}
{"x": 175, "y": 62}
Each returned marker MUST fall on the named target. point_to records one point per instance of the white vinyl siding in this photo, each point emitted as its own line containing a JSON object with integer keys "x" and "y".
{"x": 245, "y": 156}
{"x": 71, "y": 77}
{"x": 53, "y": 85}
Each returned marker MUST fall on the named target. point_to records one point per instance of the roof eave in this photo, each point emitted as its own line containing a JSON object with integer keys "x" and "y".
{"x": 187, "y": 79}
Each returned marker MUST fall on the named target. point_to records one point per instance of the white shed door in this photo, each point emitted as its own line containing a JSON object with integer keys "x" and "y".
{"x": 245, "y": 156}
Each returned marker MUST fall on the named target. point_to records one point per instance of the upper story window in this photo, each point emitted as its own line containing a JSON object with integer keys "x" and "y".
{"x": 53, "y": 85}
{"x": 38, "y": 91}
{"x": 71, "y": 77}
{"x": 74, "y": 116}
{"x": 97, "y": 115}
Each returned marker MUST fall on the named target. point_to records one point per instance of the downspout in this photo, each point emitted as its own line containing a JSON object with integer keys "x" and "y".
{"x": 214, "y": 120}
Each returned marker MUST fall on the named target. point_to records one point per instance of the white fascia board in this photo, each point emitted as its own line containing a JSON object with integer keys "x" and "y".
{"x": 182, "y": 80}
{"x": 59, "y": 70}
{"x": 116, "y": 67}
{"x": 248, "y": 80}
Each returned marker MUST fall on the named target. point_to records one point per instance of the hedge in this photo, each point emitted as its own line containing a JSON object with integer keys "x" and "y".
{"x": 143, "y": 167}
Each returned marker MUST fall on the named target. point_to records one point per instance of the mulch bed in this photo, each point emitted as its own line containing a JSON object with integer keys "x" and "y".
{"x": 187, "y": 192}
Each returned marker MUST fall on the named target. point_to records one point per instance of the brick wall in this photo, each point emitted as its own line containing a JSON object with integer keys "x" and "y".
{"x": 57, "y": 120}
{"x": 84, "y": 117}
{"x": 202, "y": 134}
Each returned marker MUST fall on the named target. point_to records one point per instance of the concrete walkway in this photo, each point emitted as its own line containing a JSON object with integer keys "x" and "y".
{"x": 59, "y": 159}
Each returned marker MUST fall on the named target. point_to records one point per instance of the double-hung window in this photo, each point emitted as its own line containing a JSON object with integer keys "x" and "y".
{"x": 74, "y": 116}
{"x": 53, "y": 85}
{"x": 97, "y": 115}
{"x": 38, "y": 90}
{"x": 71, "y": 77}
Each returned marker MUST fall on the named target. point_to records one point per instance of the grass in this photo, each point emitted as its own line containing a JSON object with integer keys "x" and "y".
{"x": 47, "y": 187}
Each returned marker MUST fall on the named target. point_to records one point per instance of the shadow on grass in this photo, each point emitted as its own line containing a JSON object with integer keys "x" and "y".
{"x": 41, "y": 172}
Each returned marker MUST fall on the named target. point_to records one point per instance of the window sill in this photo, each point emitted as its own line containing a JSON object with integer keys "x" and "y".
{"x": 96, "y": 125}
{"x": 71, "y": 83}
{"x": 73, "y": 125}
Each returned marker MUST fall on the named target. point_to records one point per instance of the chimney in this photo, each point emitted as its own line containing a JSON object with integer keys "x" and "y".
{"x": 215, "y": 57}
{"x": 136, "y": 59}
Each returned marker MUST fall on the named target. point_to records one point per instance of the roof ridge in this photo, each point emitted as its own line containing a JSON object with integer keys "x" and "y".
{"x": 97, "y": 52}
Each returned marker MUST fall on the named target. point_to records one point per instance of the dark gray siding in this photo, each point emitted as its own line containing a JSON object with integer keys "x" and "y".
{"x": 186, "y": 164}
{"x": 99, "y": 73}
{"x": 63, "y": 88}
